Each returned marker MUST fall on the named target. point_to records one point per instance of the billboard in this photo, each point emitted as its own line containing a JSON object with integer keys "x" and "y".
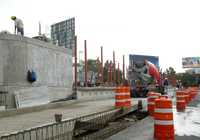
{"x": 191, "y": 62}
{"x": 140, "y": 59}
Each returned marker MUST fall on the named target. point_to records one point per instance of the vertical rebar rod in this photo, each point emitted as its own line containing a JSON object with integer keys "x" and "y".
{"x": 123, "y": 73}
{"x": 118, "y": 75}
{"x": 85, "y": 46}
{"x": 114, "y": 70}
{"x": 111, "y": 81}
{"x": 102, "y": 64}
{"x": 75, "y": 64}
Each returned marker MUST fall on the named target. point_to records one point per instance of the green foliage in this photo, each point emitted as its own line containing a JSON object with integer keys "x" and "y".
{"x": 170, "y": 71}
{"x": 187, "y": 79}
{"x": 105, "y": 72}
{"x": 92, "y": 65}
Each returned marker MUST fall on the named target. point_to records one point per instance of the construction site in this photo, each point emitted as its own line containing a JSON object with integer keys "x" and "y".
{"x": 49, "y": 92}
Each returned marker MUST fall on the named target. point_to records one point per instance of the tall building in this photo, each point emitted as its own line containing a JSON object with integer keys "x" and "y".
{"x": 63, "y": 33}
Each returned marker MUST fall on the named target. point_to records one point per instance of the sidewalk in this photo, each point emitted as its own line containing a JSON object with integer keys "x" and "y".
{"x": 28, "y": 120}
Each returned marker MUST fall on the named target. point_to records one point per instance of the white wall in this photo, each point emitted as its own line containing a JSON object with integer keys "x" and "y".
{"x": 52, "y": 64}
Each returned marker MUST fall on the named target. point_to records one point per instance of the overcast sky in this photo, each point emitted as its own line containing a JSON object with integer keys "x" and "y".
{"x": 169, "y": 29}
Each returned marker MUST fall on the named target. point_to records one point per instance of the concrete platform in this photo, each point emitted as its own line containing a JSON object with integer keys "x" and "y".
{"x": 19, "y": 122}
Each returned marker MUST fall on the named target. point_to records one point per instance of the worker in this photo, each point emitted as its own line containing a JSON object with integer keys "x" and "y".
{"x": 18, "y": 25}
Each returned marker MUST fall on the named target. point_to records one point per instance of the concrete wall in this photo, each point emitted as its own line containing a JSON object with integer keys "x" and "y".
{"x": 95, "y": 93}
{"x": 52, "y": 64}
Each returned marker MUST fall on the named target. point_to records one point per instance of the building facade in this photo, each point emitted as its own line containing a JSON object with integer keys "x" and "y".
{"x": 63, "y": 33}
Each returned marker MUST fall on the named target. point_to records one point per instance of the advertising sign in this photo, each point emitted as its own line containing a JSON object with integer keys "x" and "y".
{"x": 140, "y": 59}
{"x": 191, "y": 62}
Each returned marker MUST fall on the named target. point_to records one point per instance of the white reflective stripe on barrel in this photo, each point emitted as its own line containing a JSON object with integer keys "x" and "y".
{"x": 128, "y": 99}
{"x": 161, "y": 122}
{"x": 124, "y": 93}
{"x": 151, "y": 103}
{"x": 121, "y": 100}
{"x": 153, "y": 96}
{"x": 180, "y": 101}
{"x": 163, "y": 110}
{"x": 180, "y": 95}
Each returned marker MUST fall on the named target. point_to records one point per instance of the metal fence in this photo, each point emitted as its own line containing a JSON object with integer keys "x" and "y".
{"x": 68, "y": 129}
{"x": 3, "y": 98}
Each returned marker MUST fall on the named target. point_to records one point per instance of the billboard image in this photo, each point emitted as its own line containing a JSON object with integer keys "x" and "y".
{"x": 191, "y": 62}
{"x": 140, "y": 59}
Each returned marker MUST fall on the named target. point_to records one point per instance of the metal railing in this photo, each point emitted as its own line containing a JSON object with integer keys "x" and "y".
{"x": 67, "y": 129}
{"x": 3, "y": 98}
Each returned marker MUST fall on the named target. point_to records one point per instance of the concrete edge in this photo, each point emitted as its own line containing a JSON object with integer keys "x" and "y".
{"x": 12, "y": 112}
{"x": 95, "y": 88}
{"x": 39, "y": 43}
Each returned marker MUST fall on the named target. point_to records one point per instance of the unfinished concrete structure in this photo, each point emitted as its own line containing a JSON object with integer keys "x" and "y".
{"x": 52, "y": 64}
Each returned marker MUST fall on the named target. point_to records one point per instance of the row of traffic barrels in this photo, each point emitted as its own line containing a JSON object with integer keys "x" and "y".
{"x": 184, "y": 97}
{"x": 122, "y": 97}
{"x": 160, "y": 108}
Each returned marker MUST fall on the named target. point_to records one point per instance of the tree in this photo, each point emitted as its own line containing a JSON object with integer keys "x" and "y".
{"x": 91, "y": 63}
{"x": 187, "y": 79}
{"x": 170, "y": 71}
{"x": 105, "y": 72}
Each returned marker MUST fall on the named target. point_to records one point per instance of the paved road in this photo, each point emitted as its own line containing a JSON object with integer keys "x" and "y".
{"x": 187, "y": 126}
{"x": 25, "y": 121}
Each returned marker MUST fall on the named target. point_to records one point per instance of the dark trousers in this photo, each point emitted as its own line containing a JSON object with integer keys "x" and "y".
{"x": 21, "y": 30}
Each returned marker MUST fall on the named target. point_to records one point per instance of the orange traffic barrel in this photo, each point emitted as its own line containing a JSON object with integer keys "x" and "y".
{"x": 119, "y": 98}
{"x": 122, "y": 97}
{"x": 180, "y": 97}
{"x": 180, "y": 105}
{"x": 163, "y": 116}
{"x": 187, "y": 99}
{"x": 151, "y": 101}
{"x": 164, "y": 96}
{"x": 193, "y": 94}
{"x": 182, "y": 94}
{"x": 128, "y": 97}
{"x": 188, "y": 92}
